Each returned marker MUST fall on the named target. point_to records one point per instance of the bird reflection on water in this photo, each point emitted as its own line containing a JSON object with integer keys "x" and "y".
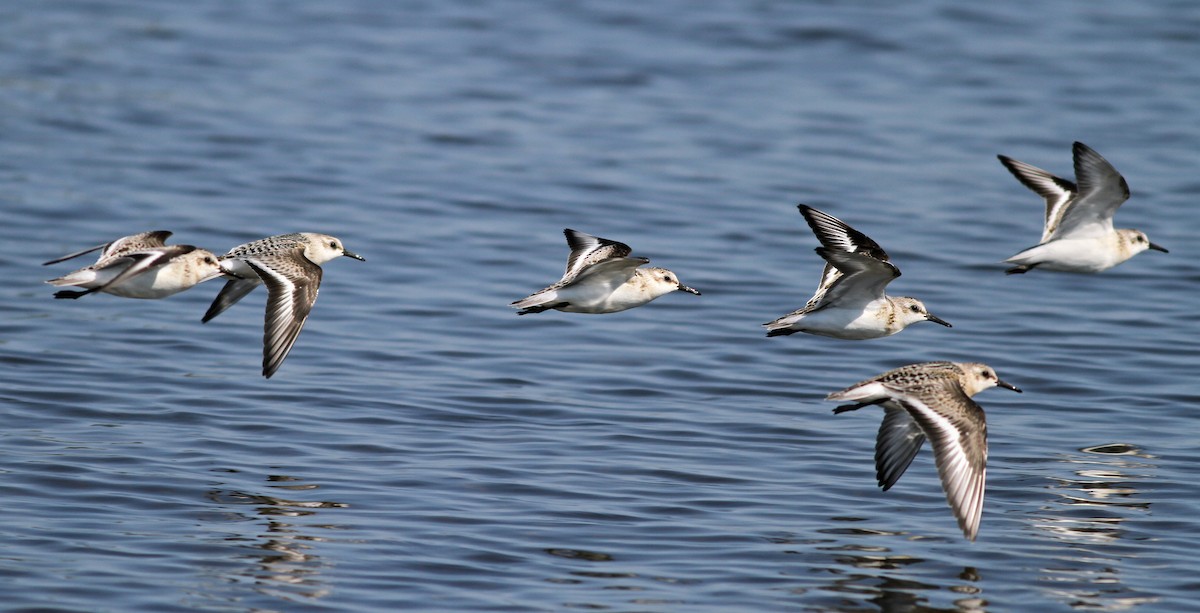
{"x": 1088, "y": 517}
{"x": 860, "y": 575}
{"x": 284, "y": 565}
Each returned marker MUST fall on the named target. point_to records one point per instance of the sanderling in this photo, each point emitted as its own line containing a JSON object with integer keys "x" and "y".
{"x": 932, "y": 400}
{"x": 139, "y": 266}
{"x": 289, "y": 264}
{"x": 1079, "y": 234}
{"x": 601, "y": 278}
{"x": 849, "y": 302}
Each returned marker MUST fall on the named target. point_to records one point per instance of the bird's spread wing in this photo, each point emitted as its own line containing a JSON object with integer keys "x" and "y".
{"x": 614, "y": 271}
{"x": 1057, "y": 192}
{"x": 134, "y": 242}
{"x": 864, "y": 278}
{"x": 955, "y": 427}
{"x": 292, "y": 282}
{"x": 1101, "y": 191}
{"x": 233, "y": 291}
{"x": 837, "y": 236}
{"x": 828, "y": 277}
{"x": 588, "y": 250}
{"x": 75, "y": 254}
{"x": 899, "y": 439}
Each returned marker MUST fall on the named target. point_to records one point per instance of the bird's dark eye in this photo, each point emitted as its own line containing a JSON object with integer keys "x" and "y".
{"x": 333, "y": 245}
{"x": 914, "y": 309}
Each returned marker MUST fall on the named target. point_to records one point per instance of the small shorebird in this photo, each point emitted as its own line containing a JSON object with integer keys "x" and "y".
{"x": 139, "y": 266}
{"x": 932, "y": 400}
{"x": 289, "y": 265}
{"x": 601, "y": 278}
{"x": 850, "y": 302}
{"x": 1079, "y": 234}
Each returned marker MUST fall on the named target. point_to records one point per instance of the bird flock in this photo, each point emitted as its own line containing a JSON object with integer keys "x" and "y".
{"x": 930, "y": 400}
{"x": 143, "y": 266}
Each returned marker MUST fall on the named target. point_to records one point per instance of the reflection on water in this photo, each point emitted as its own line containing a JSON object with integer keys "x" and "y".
{"x": 892, "y": 591}
{"x": 868, "y": 577}
{"x": 610, "y": 579}
{"x": 1090, "y": 519}
{"x": 284, "y": 564}
{"x": 1087, "y": 516}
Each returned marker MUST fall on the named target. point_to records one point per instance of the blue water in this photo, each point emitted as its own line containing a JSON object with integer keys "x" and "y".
{"x": 424, "y": 449}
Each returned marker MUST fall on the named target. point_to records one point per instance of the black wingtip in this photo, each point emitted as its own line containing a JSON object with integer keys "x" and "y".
{"x": 850, "y": 407}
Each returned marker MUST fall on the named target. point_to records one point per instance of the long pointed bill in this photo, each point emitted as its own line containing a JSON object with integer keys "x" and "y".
{"x": 1007, "y": 385}
{"x": 690, "y": 290}
{"x": 351, "y": 254}
{"x": 1159, "y": 248}
{"x": 937, "y": 320}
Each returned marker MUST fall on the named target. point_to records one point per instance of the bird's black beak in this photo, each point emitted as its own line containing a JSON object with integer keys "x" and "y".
{"x": 1007, "y": 385}
{"x": 937, "y": 320}
{"x": 690, "y": 290}
{"x": 351, "y": 254}
{"x": 1159, "y": 248}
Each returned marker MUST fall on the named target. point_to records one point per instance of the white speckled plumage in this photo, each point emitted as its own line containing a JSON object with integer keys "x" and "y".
{"x": 289, "y": 265}
{"x": 932, "y": 400}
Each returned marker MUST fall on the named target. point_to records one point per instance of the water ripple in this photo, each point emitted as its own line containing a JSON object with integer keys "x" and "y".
{"x": 424, "y": 448}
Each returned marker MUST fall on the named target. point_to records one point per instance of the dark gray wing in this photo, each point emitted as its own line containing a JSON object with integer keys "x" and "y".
{"x": 1101, "y": 191}
{"x": 76, "y": 254}
{"x": 233, "y": 291}
{"x": 900, "y": 438}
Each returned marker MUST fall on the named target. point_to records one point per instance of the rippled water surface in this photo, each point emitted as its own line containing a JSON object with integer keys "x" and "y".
{"x": 425, "y": 449}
